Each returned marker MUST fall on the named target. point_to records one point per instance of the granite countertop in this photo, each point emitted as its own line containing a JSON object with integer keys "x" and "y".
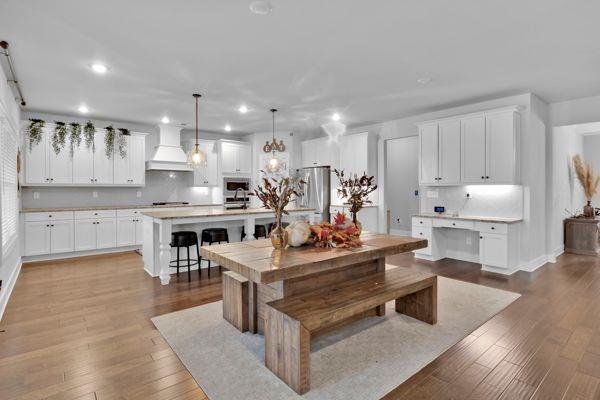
{"x": 129, "y": 207}
{"x": 348, "y": 205}
{"x": 214, "y": 212}
{"x": 505, "y": 220}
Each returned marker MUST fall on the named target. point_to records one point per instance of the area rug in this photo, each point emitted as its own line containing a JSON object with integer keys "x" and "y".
{"x": 362, "y": 361}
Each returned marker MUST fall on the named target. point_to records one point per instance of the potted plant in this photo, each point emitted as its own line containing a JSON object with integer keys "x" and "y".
{"x": 276, "y": 194}
{"x": 355, "y": 191}
{"x": 59, "y": 136}
{"x": 35, "y": 130}
{"x": 589, "y": 181}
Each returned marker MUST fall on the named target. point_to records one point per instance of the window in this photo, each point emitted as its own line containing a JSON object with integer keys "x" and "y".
{"x": 8, "y": 182}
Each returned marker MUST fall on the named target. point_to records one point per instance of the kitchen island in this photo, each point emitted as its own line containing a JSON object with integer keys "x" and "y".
{"x": 158, "y": 226}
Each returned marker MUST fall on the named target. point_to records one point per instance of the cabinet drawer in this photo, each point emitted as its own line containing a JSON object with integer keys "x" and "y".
{"x": 95, "y": 214}
{"x": 418, "y": 221}
{"x": 128, "y": 213}
{"x": 453, "y": 223}
{"x": 47, "y": 216}
{"x": 423, "y": 233}
{"x": 491, "y": 227}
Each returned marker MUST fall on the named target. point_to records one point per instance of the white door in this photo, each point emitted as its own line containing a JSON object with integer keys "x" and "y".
{"x": 244, "y": 158}
{"x": 106, "y": 233}
{"x": 501, "y": 148}
{"x": 428, "y": 152}
{"x": 103, "y": 165}
{"x": 83, "y": 165}
{"x": 36, "y": 161}
{"x": 137, "y": 159}
{"x": 85, "y": 234}
{"x": 139, "y": 230}
{"x": 449, "y": 152}
{"x": 229, "y": 158}
{"x": 37, "y": 238}
{"x": 473, "y": 150}
{"x": 126, "y": 231}
{"x": 61, "y": 237}
{"x": 60, "y": 165}
{"x": 122, "y": 165}
{"x": 493, "y": 250}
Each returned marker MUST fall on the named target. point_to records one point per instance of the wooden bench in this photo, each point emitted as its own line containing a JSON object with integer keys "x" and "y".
{"x": 291, "y": 321}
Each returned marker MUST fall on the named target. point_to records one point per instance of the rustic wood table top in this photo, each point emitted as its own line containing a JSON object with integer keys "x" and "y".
{"x": 258, "y": 261}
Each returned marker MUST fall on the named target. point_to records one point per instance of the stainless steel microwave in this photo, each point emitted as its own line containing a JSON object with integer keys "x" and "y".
{"x": 230, "y": 185}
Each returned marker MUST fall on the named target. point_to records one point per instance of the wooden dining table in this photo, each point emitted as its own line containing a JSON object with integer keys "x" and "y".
{"x": 276, "y": 274}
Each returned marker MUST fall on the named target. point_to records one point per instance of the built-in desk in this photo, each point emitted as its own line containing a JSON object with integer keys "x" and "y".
{"x": 498, "y": 240}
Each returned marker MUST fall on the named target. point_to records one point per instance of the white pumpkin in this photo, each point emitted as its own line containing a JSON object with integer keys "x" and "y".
{"x": 298, "y": 233}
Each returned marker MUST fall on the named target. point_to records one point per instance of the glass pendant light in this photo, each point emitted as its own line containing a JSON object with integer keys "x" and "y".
{"x": 274, "y": 165}
{"x": 196, "y": 158}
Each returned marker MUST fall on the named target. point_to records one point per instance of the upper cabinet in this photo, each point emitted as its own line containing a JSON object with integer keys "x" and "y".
{"x": 86, "y": 166}
{"x": 358, "y": 154}
{"x": 478, "y": 148}
{"x": 236, "y": 158}
{"x": 207, "y": 175}
{"x": 320, "y": 152}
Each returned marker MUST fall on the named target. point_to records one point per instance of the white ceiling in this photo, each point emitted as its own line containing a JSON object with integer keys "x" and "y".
{"x": 309, "y": 58}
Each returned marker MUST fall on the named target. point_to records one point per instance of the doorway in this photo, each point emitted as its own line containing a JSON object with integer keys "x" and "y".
{"x": 402, "y": 183}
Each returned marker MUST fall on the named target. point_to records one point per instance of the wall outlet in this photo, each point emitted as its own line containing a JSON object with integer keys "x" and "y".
{"x": 139, "y": 194}
{"x": 95, "y": 194}
{"x": 432, "y": 194}
{"x": 469, "y": 240}
{"x": 398, "y": 221}
{"x": 36, "y": 195}
{"x": 468, "y": 196}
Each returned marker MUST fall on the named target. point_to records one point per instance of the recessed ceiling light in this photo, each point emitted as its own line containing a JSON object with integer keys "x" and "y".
{"x": 424, "y": 80}
{"x": 227, "y": 128}
{"x": 165, "y": 120}
{"x": 243, "y": 109}
{"x": 336, "y": 117}
{"x": 261, "y": 7}
{"x": 83, "y": 109}
{"x": 99, "y": 68}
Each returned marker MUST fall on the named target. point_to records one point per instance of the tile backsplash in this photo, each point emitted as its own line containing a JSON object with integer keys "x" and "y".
{"x": 483, "y": 200}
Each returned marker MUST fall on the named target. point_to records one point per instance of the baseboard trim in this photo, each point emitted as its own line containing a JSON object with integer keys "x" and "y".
{"x": 7, "y": 290}
{"x": 534, "y": 264}
{"x": 61, "y": 256}
{"x": 555, "y": 253}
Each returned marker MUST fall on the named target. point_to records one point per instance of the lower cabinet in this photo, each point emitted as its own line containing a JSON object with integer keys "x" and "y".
{"x": 106, "y": 233}
{"x": 48, "y": 233}
{"x": 38, "y": 238}
{"x": 91, "y": 234}
{"x": 493, "y": 249}
{"x": 61, "y": 237}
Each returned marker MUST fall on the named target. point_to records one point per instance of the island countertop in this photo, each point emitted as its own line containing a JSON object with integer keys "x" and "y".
{"x": 215, "y": 212}
{"x": 505, "y": 220}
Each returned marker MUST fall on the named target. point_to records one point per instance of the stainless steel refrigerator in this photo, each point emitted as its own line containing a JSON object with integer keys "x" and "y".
{"x": 317, "y": 191}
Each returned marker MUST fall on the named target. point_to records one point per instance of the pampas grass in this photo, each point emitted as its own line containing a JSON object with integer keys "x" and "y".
{"x": 588, "y": 179}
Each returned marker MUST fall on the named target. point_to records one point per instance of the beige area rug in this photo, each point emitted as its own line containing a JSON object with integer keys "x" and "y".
{"x": 362, "y": 361}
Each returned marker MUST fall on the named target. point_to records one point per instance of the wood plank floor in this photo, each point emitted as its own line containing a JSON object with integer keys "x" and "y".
{"x": 80, "y": 329}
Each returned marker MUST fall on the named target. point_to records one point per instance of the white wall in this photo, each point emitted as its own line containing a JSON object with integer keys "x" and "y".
{"x": 591, "y": 154}
{"x": 401, "y": 182}
{"x": 10, "y": 261}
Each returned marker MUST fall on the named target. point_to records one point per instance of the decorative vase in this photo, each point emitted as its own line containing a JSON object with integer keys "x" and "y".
{"x": 588, "y": 210}
{"x": 356, "y": 223}
{"x": 279, "y": 236}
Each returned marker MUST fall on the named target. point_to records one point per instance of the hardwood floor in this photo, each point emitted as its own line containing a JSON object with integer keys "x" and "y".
{"x": 81, "y": 329}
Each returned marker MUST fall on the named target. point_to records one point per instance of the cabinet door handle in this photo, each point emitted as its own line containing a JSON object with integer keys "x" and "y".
{"x": 487, "y": 177}
{"x": 483, "y": 177}
{"x": 47, "y": 226}
{"x": 51, "y": 224}
{"x": 480, "y": 237}
{"x": 493, "y": 227}
{"x": 453, "y": 224}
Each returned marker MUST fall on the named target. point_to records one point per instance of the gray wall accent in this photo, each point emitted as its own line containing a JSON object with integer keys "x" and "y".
{"x": 591, "y": 154}
{"x": 402, "y": 179}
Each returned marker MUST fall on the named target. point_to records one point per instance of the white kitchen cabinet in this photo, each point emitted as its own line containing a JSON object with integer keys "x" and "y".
{"x": 37, "y": 235}
{"x": 428, "y": 154}
{"x": 60, "y": 166}
{"x": 61, "y": 237}
{"x": 106, "y": 233}
{"x": 103, "y": 165}
{"x": 449, "y": 153}
{"x": 501, "y": 133}
{"x": 126, "y": 229}
{"x": 85, "y": 234}
{"x": 83, "y": 165}
{"x": 473, "y": 149}
{"x": 354, "y": 154}
{"x": 36, "y": 162}
{"x": 320, "y": 152}
{"x": 44, "y": 166}
{"x": 130, "y": 170}
{"x": 208, "y": 175}
{"x": 139, "y": 230}
{"x": 309, "y": 154}
{"x": 236, "y": 158}
{"x": 493, "y": 249}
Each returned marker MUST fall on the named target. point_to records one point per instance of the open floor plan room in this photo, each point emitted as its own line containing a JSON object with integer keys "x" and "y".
{"x": 269, "y": 200}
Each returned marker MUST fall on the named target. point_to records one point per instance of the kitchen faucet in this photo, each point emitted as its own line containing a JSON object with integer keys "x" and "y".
{"x": 245, "y": 206}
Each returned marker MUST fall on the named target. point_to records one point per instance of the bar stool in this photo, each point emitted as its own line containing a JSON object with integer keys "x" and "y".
{"x": 259, "y": 231}
{"x": 213, "y": 235}
{"x": 185, "y": 239}
{"x": 272, "y": 226}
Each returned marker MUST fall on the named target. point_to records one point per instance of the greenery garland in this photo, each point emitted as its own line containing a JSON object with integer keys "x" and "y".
{"x": 75, "y": 137}
{"x": 89, "y": 130}
{"x": 122, "y": 142}
{"x": 35, "y": 131}
{"x": 109, "y": 141}
{"x": 59, "y": 136}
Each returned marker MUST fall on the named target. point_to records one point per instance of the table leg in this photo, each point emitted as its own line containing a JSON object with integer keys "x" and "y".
{"x": 252, "y": 307}
{"x": 380, "y": 310}
{"x": 164, "y": 239}
{"x": 421, "y": 305}
{"x": 249, "y": 223}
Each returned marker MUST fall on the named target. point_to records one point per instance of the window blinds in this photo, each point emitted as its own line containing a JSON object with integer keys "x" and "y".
{"x": 9, "y": 195}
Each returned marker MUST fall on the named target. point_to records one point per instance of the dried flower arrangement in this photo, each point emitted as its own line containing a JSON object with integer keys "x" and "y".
{"x": 34, "y": 131}
{"x": 59, "y": 136}
{"x": 589, "y": 181}
{"x": 355, "y": 190}
{"x": 342, "y": 233}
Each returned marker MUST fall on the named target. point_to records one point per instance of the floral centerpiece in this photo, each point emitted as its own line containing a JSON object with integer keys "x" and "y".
{"x": 589, "y": 181}
{"x": 341, "y": 233}
{"x": 355, "y": 191}
{"x": 275, "y": 194}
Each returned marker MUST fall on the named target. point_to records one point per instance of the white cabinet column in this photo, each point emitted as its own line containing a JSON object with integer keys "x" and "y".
{"x": 473, "y": 149}
{"x": 428, "y": 154}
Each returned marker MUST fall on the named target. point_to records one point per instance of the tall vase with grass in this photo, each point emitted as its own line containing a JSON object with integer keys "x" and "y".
{"x": 275, "y": 194}
{"x": 355, "y": 191}
{"x": 589, "y": 181}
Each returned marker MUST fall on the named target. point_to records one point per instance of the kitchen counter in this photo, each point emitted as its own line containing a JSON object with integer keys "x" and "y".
{"x": 215, "y": 212}
{"x": 348, "y": 205}
{"x": 471, "y": 218}
{"x": 128, "y": 207}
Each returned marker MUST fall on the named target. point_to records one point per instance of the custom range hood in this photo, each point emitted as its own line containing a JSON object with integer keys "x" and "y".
{"x": 168, "y": 154}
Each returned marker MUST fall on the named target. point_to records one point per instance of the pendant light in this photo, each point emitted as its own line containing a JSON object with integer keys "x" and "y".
{"x": 274, "y": 165}
{"x": 196, "y": 158}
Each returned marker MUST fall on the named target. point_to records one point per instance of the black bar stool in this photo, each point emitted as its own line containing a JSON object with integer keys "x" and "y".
{"x": 185, "y": 239}
{"x": 259, "y": 231}
{"x": 213, "y": 235}
{"x": 272, "y": 226}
